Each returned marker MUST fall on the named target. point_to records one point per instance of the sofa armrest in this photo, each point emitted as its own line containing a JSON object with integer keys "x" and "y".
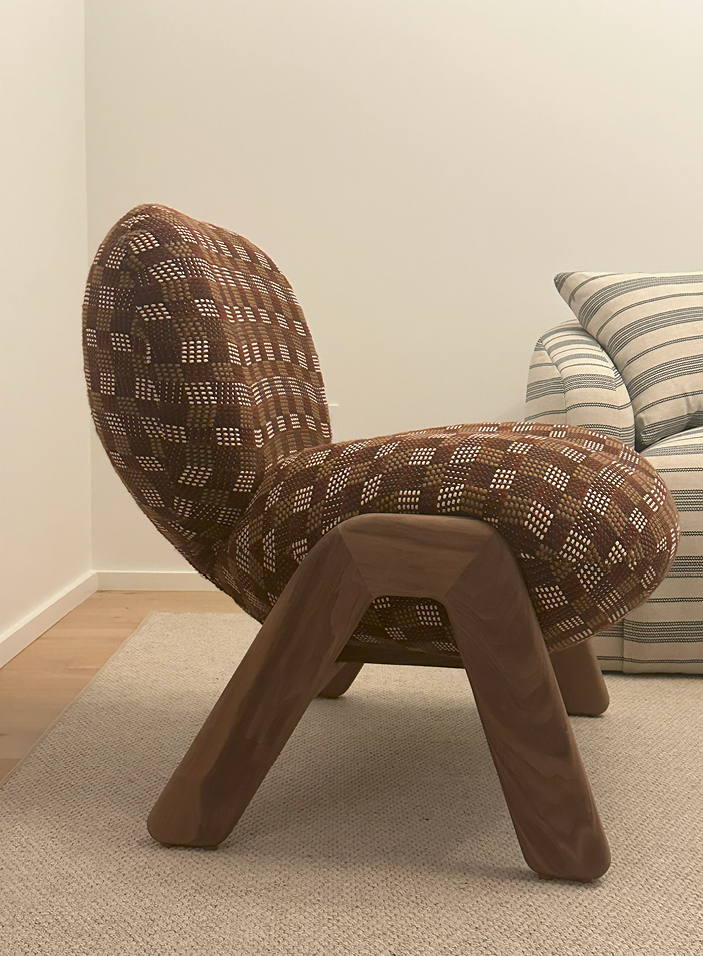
{"x": 573, "y": 381}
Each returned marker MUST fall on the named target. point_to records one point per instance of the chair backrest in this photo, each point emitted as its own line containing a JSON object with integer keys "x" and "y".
{"x": 201, "y": 372}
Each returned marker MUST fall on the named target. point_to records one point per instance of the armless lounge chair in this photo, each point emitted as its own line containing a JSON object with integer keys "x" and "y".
{"x": 497, "y": 547}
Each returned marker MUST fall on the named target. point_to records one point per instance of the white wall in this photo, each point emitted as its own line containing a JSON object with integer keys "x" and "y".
{"x": 420, "y": 169}
{"x": 45, "y": 472}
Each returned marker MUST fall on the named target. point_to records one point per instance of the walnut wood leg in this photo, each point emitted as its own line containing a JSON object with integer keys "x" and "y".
{"x": 523, "y": 714}
{"x": 340, "y": 679}
{"x": 468, "y": 566}
{"x": 280, "y": 674}
{"x": 580, "y": 680}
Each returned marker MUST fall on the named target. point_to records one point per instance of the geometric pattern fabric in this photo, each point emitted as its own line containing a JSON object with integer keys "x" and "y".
{"x": 206, "y": 392}
{"x": 201, "y": 372}
{"x": 591, "y": 524}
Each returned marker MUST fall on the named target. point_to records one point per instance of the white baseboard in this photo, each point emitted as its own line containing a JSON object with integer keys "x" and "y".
{"x": 20, "y": 635}
{"x": 152, "y": 581}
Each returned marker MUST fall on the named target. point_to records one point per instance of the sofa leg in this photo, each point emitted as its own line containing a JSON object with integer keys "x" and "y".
{"x": 340, "y": 679}
{"x": 580, "y": 680}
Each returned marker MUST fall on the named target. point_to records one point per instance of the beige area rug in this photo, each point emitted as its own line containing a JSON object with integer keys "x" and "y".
{"x": 381, "y": 830}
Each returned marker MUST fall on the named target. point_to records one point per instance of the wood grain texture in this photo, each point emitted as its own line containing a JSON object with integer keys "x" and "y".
{"x": 340, "y": 679}
{"x": 466, "y": 565}
{"x": 580, "y": 680}
{"x": 283, "y": 670}
{"x": 524, "y": 718}
{"x": 389, "y": 654}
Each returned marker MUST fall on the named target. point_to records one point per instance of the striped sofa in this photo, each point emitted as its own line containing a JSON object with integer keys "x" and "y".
{"x": 630, "y": 364}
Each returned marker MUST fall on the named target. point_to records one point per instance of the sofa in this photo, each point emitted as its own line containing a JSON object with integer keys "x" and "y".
{"x": 629, "y": 364}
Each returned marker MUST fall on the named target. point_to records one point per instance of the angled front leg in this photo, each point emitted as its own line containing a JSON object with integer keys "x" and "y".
{"x": 280, "y": 674}
{"x": 468, "y": 566}
{"x": 523, "y": 714}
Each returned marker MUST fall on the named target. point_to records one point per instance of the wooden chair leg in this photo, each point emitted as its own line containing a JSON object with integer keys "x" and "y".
{"x": 466, "y": 565}
{"x": 515, "y": 688}
{"x": 523, "y": 714}
{"x": 340, "y": 679}
{"x": 257, "y": 712}
{"x": 580, "y": 680}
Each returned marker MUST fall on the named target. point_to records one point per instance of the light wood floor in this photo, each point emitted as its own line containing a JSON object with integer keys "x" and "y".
{"x": 37, "y": 684}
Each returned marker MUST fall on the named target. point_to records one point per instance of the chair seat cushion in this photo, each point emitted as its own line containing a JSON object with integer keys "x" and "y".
{"x": 590, "y": 522}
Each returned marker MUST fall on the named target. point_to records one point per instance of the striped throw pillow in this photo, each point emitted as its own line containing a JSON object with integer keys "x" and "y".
{"x": 652, "y": 328}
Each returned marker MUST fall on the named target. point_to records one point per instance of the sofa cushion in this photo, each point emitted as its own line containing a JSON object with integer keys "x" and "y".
{"x": 652, "y": 328}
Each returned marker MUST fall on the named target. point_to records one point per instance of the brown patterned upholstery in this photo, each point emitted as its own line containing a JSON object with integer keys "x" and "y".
{"x": 206, "y": 392}
{"x": 201, "y": 372}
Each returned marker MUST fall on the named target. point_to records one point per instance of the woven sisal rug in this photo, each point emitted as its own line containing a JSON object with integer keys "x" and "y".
{"x": 381, "y": 830}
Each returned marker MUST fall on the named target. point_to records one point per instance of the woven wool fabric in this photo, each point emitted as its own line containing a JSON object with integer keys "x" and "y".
{"x": 651, "y": 326}
{"x": 572, "y": 381}
{"x": 592, "y": 525}
{"x": 201, "y": 372}
{"x": 206, "y": 392}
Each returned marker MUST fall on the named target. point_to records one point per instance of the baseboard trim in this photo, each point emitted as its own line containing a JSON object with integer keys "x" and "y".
{"x": 152, "y": 581}
{"x": 21, "y": 635}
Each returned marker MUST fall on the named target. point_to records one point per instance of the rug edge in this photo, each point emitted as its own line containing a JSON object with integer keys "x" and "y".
{"x": 47, "y": 730}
